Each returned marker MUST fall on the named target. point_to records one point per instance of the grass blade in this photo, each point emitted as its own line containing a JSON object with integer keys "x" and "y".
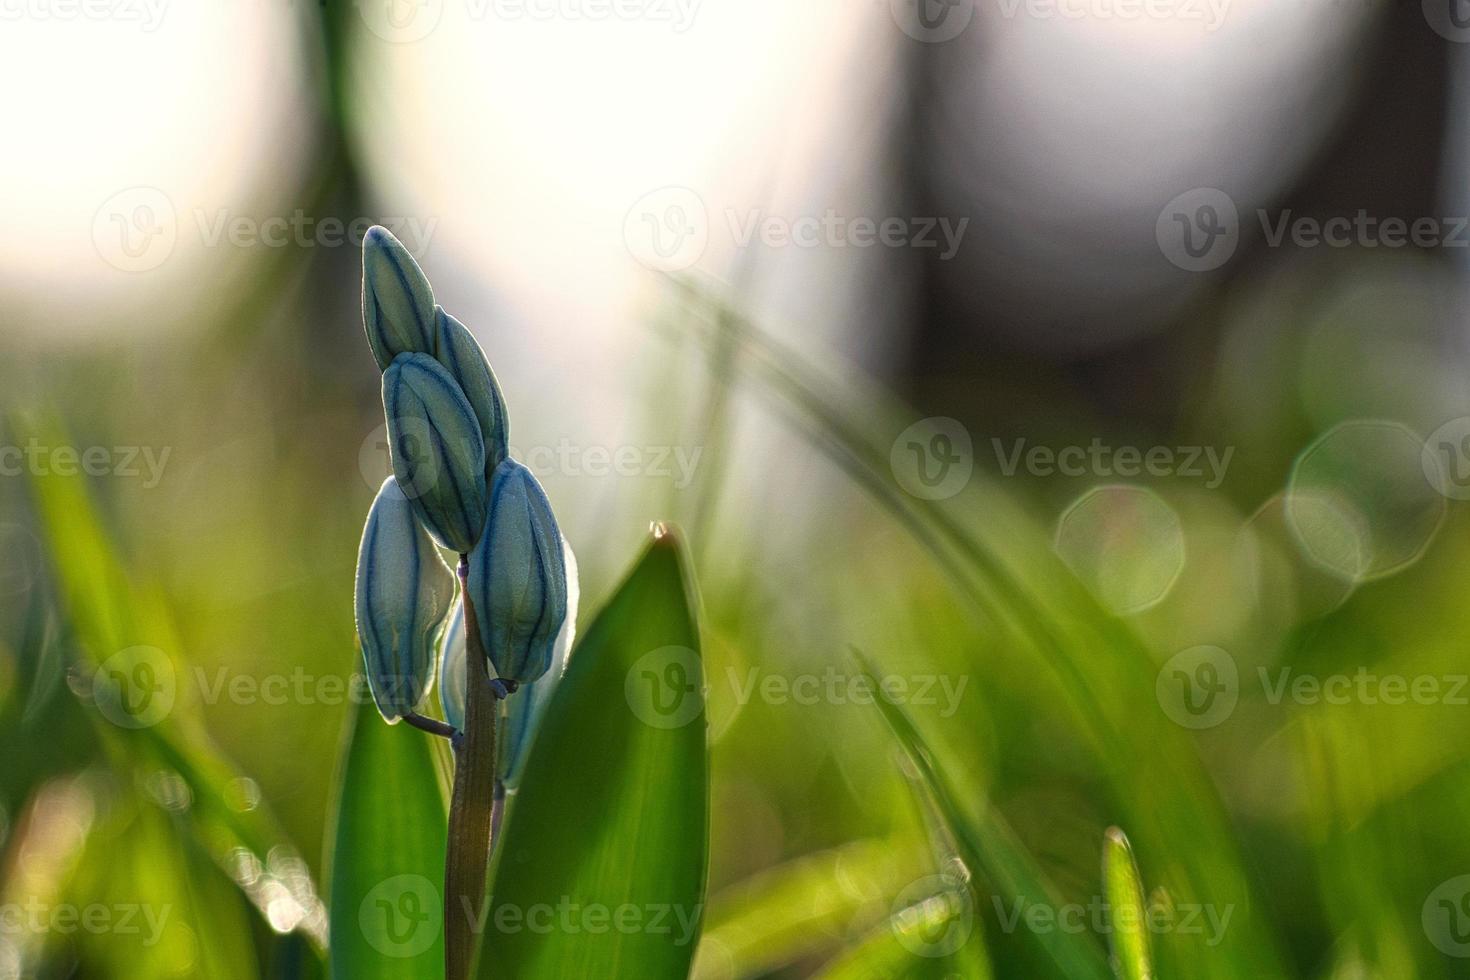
{"x": 990, "y": 847}
{"x": 1128, "y": 935}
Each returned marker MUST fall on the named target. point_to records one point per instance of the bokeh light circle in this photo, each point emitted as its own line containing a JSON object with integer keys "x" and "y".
{"x": 1357, "y": 502}
{"x": 1125, "y": 543}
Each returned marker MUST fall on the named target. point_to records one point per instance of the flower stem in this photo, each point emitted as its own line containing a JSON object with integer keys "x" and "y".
{"x": 431, "y": 725}
{"x": 471, "y": 803}
{"x": 498, "y": 811}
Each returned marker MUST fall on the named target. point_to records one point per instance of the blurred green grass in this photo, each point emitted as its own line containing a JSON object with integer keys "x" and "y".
{"x": 1323, "y": 828}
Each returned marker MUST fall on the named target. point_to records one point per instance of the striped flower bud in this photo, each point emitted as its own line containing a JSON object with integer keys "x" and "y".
{"x": 518, "y": 577}
{"x": 461, "y": 355}
{"x": 404, "y": 590}
{"x": 397, "y": 301}
{"x": 437, "y": 450}
{"x": 521, "y": 714}
{"x": 453, "y": 678}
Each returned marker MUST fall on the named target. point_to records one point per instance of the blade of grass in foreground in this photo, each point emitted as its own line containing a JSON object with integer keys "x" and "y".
{"x": 601, "y": 869}
{"x": 1129, "y": 933}
{"x": 387, "y": 855}
{"x": 990, "y": 847}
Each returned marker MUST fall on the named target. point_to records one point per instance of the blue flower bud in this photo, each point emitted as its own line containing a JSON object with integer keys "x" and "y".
{"x": 452, "y": 676}
{"x": 404, "y": 590}
{"x": 397, "y": 302}
{"x": 523, "y": 711}
{"x": 461, "y": 355}
{"x": 518, "y": 577}
{"x": 437, "y": 450}
{"x": 521, "y": 714}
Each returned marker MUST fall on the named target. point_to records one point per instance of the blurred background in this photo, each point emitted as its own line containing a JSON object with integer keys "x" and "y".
{"x": 1095, "y": 367}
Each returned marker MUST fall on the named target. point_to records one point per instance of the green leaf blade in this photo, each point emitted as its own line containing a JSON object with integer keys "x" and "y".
{"x": 387, "y": 858}
{"x": 1128, "y": 934}
{"x": 601, "y": 869}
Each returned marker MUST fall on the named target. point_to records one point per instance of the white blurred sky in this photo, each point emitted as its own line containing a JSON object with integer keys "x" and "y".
{"x": 524, "y": 132}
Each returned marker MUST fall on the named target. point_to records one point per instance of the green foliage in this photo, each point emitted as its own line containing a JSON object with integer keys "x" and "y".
{"x": 1128, "y": 934}
{"x": 387, "y": 856}
{"x": 989, "y": 845}
{"x": 601, "y": 869}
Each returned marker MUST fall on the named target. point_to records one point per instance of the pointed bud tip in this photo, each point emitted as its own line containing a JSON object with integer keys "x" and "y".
{"x": 378, "y": 236}
{"x": 665, "y": 535}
